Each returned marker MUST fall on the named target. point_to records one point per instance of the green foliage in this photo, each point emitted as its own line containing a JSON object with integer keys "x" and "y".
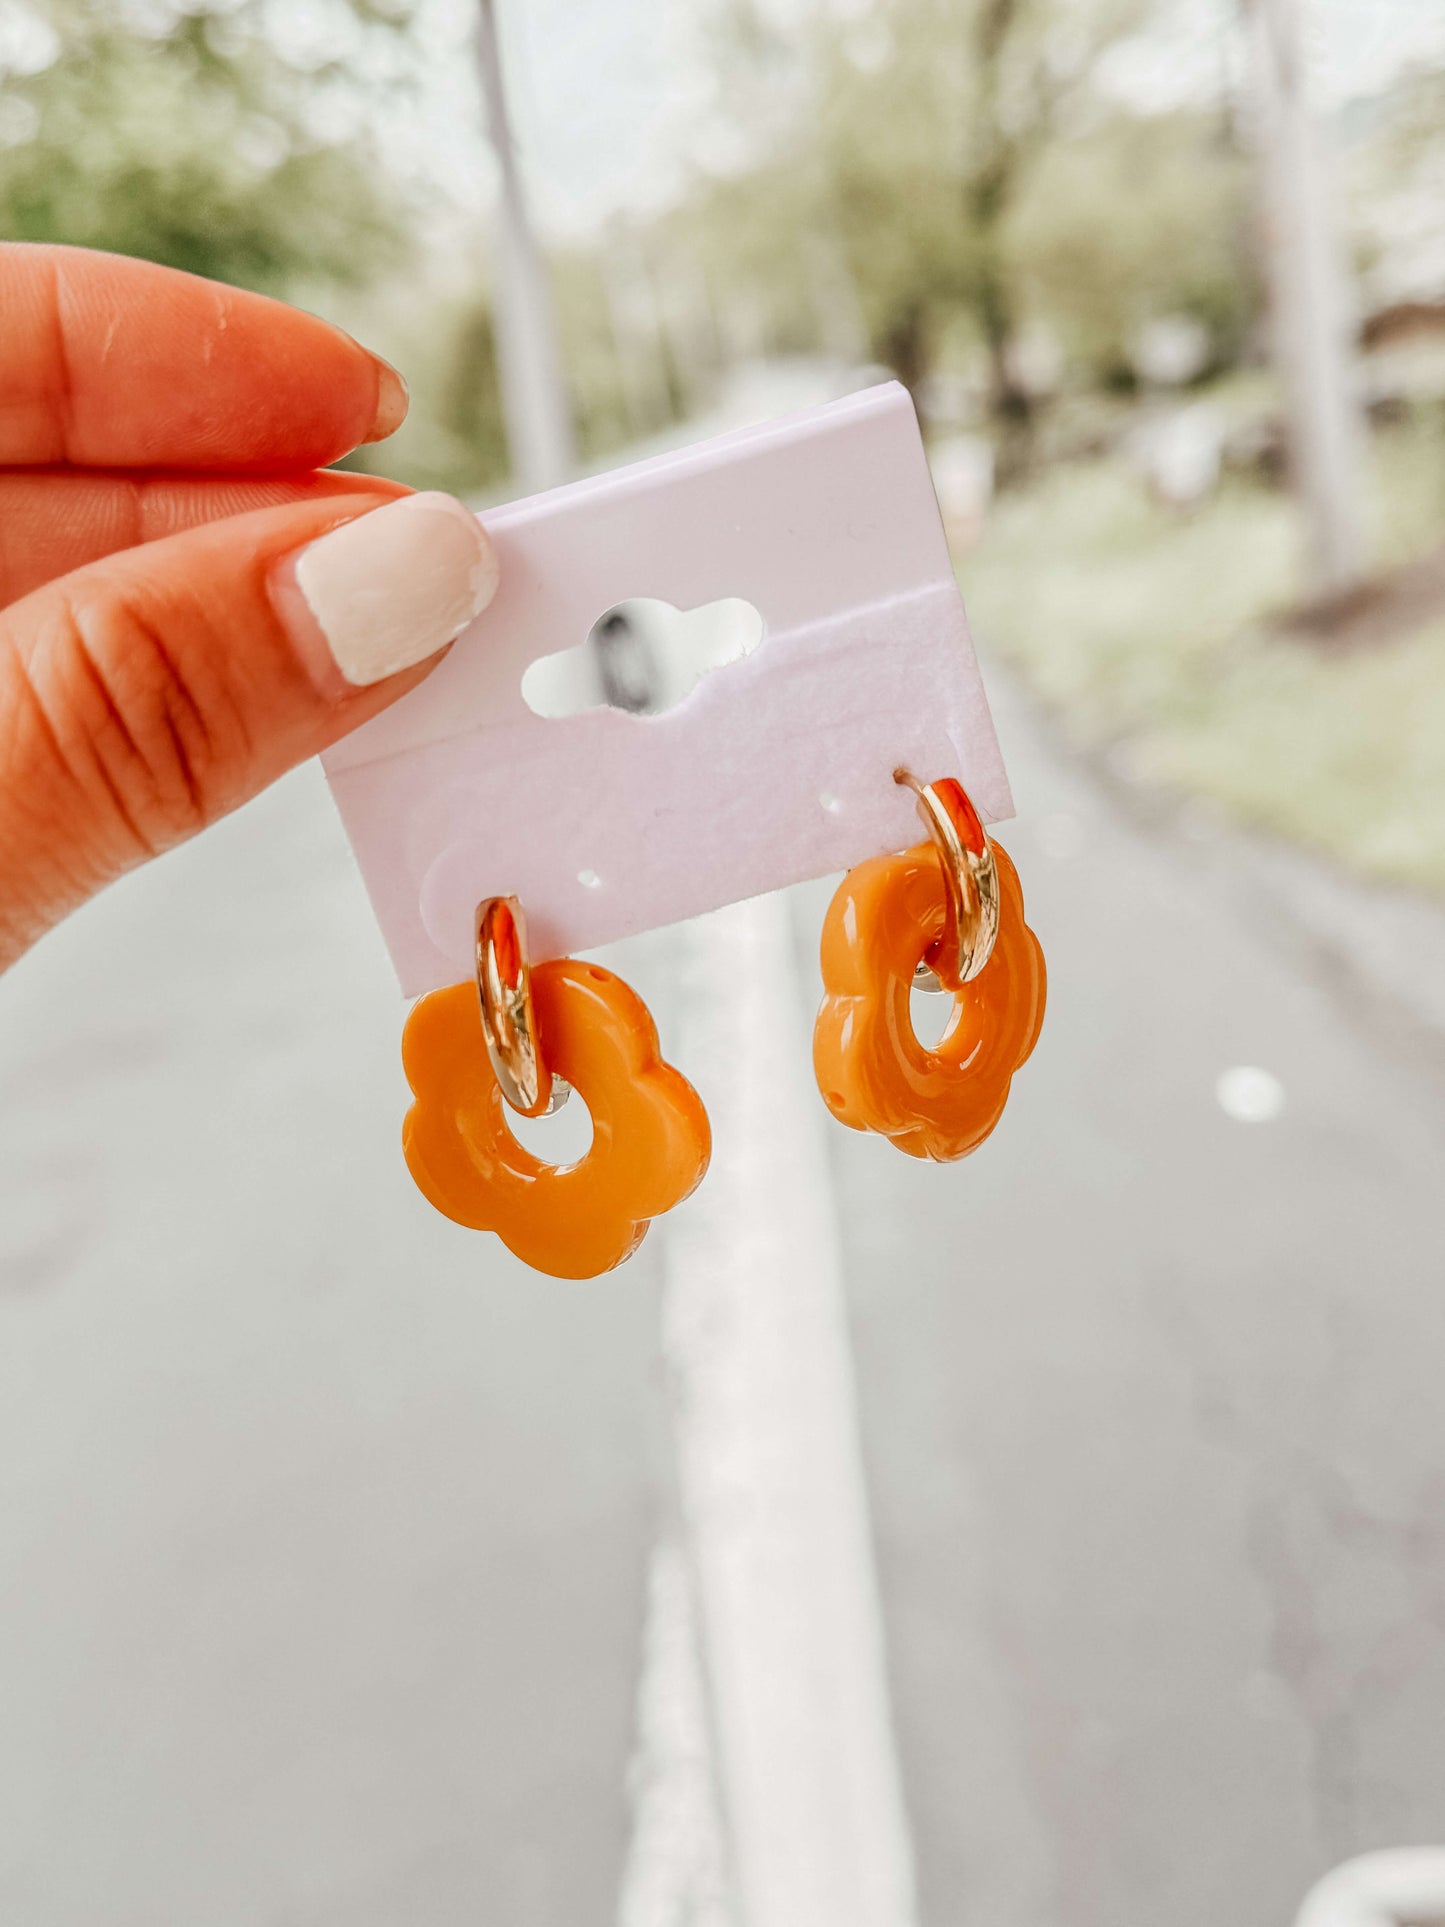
{"x": 1415, "y": 131}
{"x": 185, "y": 136}
{"x": 453, "y": 437}
{"x": 917, "y": 182}
{"x": 468, "y": 399}
{"x": 226, "y": 137}
{"x": 930, "y": 124}
{"x": 590, "y": 352}
{"x": 953, "y": 163}
{"x": 1133, "y": 220}
{"x": 1155, "y": 636}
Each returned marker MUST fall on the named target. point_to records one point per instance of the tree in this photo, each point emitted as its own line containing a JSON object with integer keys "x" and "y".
{"x": 1136, "y": 219}
{"x": 1310, "y": 301}
{"x": 900, "y": 143}
{"x": 935, "y": 118}
{"x": 183, "y": 133}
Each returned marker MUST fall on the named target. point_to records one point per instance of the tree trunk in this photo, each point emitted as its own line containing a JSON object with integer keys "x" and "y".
{"x": 1010, "y": 405}
{"x": 1309, "y": 303}
{"x": 988, "y": 191}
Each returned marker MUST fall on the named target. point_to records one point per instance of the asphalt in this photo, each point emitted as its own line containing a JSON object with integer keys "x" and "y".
{"x": 1151, "y": 1402}
{"x": 325, "y": 1528}
{"x": 324, "y": 1525}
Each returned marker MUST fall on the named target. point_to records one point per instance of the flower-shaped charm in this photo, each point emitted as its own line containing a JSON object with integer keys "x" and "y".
{"x": 650, "y": 1136}
{"x": 873, "y": 1072}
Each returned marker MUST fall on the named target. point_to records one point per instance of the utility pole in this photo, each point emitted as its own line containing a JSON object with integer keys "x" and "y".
{"x": 1311, "y": 309}
{"x": 529, "y": 361}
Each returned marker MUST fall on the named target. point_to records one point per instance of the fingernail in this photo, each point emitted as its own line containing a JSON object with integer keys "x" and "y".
{"x": 393, "y": 398}
{"x": 391, "y": 588}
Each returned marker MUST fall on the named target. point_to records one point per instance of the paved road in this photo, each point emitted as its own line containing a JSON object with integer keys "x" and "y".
{"x": 323, "y": 1525}
{"x": 324, "y": 1529}
{"x": 1153, "y": 1414}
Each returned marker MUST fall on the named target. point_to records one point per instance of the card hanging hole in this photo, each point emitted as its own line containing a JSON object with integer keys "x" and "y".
{"x": 642, "y": 657}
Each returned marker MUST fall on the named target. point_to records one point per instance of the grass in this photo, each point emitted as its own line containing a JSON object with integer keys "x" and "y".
{"x": 1156, "y": 632}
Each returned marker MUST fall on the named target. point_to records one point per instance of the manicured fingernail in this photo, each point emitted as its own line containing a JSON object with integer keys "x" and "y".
{"x": 391, "y": 588}
{"x": 392, "y": 401}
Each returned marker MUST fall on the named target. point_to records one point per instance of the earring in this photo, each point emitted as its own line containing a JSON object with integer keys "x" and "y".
{"x": 949, "y": 913}
{"x": 542, "y": 1033}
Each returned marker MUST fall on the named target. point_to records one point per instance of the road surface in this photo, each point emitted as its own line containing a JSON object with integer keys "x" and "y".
{"x": 1152, "y": 1407}
{"x": 325, "y": 1529}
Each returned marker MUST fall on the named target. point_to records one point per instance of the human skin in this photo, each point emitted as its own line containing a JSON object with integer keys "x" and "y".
{"x": 184, "y": 615}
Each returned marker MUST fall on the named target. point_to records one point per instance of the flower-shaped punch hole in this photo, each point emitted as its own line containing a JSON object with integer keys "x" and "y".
{"x": 873, "y": 1072}
{"x": 650, "y": 1135}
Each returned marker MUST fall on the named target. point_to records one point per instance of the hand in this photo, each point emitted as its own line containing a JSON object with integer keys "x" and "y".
{"x": 188, "y": 606}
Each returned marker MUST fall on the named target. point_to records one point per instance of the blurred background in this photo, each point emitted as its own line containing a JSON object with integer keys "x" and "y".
{"x": 351, "y": 1573}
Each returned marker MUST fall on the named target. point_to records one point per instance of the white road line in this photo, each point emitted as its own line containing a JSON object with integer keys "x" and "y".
{"x": 769, "y": 1466}
{"x": 676, "y": 1873}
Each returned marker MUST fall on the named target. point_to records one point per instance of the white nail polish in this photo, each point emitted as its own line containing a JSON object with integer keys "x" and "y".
{"x": 391, "y": 588}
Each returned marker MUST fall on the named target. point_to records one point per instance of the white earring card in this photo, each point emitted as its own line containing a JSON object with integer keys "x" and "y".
{"x": 773, "y": 768}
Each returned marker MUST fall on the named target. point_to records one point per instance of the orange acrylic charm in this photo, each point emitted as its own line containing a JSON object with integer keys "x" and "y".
{"x": 650, "y": 1136}
{"x": 874, "y": 1074}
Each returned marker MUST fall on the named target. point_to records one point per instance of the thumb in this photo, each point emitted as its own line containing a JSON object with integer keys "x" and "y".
{"x": 146, "y": 695}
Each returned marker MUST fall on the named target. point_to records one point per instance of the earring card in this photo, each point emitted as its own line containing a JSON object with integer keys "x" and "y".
{"x": 774, "y": 768}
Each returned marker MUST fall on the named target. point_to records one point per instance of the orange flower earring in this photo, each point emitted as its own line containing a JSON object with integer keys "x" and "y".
{"x": 949, "y": 913}
{"x": 541, "y": 1033}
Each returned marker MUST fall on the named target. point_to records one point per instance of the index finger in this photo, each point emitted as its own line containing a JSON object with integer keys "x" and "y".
{"x": 107, "y": 362}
